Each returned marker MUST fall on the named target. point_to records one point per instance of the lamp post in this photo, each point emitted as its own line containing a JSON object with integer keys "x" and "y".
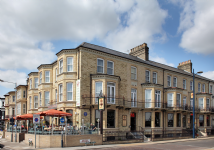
{"x": 15, "y": 107}
{"x": 194, "y": 102}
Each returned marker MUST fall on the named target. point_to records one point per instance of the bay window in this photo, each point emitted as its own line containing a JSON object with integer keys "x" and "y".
{"x": 47, "y": 97}
{"x": 36, "y": 82}
{"x": 133, "y": 98}
{"x": 199, "y": 87}
{"x": 40, "y": 77}
{"x": 35, "y": 101}
{"x": 178, "y": 100}
{"x": 60, "y": 66}
{"x": 170, "y": 99}
{"x": 30, "y": 102}
{"x": 69, "y": 64}
{"x": 170, "y": 120}
{"x": 203, "y": 87}
{"x": 148, "y": 118}
{"x": 148, "y": 98}
{"x": 98, "y": 90}
{"x": 69, "y": 91}
{"x": 47, "y": 76}
{"x": 201, "y": 103}
{"x": 60, "y": 93}
{"x": 201, "y": 120}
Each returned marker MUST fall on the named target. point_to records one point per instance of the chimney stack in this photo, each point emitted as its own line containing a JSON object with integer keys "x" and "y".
{"x": 186, "y": 65}
{"x": 141, "y": 51}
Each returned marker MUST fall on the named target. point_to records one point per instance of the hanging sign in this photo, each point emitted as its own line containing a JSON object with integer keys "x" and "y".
{"x": 191, "y": 95}
{"x": 78, "y": 93}
{"x": 101, "y": 103}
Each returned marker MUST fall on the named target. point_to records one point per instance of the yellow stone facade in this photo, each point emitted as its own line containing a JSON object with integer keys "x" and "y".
{"x": 84, "y": 62}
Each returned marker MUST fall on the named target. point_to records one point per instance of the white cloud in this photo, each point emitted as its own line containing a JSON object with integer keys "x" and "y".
{"x": 161, "y": 60}
{"x": 197, "y": 21}
{"x": 144, "y": 24}
{"x": 209, "y": 74}
{"x": 12, "y": 76}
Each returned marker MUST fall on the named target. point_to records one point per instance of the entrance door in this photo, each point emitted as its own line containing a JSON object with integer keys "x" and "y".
{"x": 111, "y": 93}
{"x": 191, "y": 119}
{"x": 133, "y": 121}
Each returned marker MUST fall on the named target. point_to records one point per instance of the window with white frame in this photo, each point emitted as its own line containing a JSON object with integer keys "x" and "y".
{"x": 40, "y": 77}
{"x": 199, "y": 87}
{"x": 69, "y": 91}
{"x": 19, "y": 109}
{"x": 203, "y": 88}
{"x": 157, "y": 98}
{"x": 100, "y": 65}
{"x": 178, "y": 100}
{"x": 110, "y": 92}
{"x": 148, "y": 98}
{"x": 47, "y": 97}
{"x": 208, "y": 103}
{"x": 35, "y": 101}
{"x": 110, "y": 67}
{"x": 60, "y": 66}
{"x": 147, "y": 76}
{"x": 13, "y": 98}
{"x": 30, "y": 101}
{"x": 56, "y": 74}
{"x": 24, "y": 109}
{"x": 191, "y": 85}
{"x": 211, "y": 89}
{"x": 133, "y": 73}
{"x": 155, "y": 77}
{"x": 174, "y": 82}
{"x": 30, "y": 83}
{"x": 47, "y": 76}
{"x": 40, "y": 99}
{"x": 60, "y": 93}
{"x": 170, "y": 99}
{"x": 69, "y": 64}
{"x": 98, "y": 90}
{"x": 191, "y": 103}
{"x": 184, "y": 84}
{"x": 36, "y": 82}
{"x": 56, "y": 95}
{"x": 201, "y": 103}
{"x": 133, "y": 98}
{"x": 184, "y": 103}
{"x": 23, "y": 94}
{"x": 169, "y": 81}
{"x": 18, "y": 94}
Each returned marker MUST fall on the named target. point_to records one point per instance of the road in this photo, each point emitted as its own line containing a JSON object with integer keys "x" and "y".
{"x": 185, "y": 144}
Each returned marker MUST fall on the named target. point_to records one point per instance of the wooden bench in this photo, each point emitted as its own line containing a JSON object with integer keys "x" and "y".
{"x": 89, "y": 143}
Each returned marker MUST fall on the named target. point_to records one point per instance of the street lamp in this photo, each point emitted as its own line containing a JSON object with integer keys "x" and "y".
{"x": 15, "y": 107}
{"x": 194, "y": 101}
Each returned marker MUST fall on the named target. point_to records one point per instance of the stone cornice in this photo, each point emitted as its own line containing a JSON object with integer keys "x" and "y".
{"x": 174, "y": 89}
{"x": 66, "y": 51}
{"x": 148, "y": 84}
{"x": 205, "y": 94}
{"x": 105, "y": 76}
{"x": 66, "y": 73}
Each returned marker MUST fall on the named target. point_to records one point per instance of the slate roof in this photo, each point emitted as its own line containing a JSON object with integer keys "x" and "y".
{"x": 134, "y": 58}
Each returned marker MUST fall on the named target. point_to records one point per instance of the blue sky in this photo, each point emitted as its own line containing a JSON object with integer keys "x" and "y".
{"x": 32, "y": 32}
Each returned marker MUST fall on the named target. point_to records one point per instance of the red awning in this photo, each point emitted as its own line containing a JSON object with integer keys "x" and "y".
{"x": 53, "y": 112}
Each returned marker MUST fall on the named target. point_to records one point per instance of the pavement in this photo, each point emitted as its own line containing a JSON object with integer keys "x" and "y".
{"x": 180, "y": 144}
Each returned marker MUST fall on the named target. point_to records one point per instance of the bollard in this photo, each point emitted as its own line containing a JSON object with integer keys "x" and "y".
{"x": 62, "y": 139}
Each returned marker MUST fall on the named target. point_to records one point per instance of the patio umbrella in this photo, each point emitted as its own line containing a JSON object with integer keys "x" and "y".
{"x": 53, "y": 112}
{"x": 26, "y": 116}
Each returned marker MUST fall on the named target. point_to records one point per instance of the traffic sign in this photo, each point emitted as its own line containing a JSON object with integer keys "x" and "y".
{"x": 62, "y": 120}
{"x": 36, "y": 119}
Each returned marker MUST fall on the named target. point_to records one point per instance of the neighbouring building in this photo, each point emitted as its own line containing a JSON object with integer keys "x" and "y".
{"x": 139, "y": 93}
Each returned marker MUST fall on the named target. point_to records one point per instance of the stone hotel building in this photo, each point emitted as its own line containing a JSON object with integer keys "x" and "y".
{"x": 139, "y": 93}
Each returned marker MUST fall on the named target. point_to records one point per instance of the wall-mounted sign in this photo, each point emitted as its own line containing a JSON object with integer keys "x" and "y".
{"x": 85, "y": 140}
{"x": 85, "y": 113}
{"x": 78, "y": 93}
{"x": 101, "y": 103}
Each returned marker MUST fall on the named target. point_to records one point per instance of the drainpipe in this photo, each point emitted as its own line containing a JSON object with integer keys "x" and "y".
{"x": 90, "y": 95}
{"x": 163, "y": 100}
{"x": 78, "y": 62}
